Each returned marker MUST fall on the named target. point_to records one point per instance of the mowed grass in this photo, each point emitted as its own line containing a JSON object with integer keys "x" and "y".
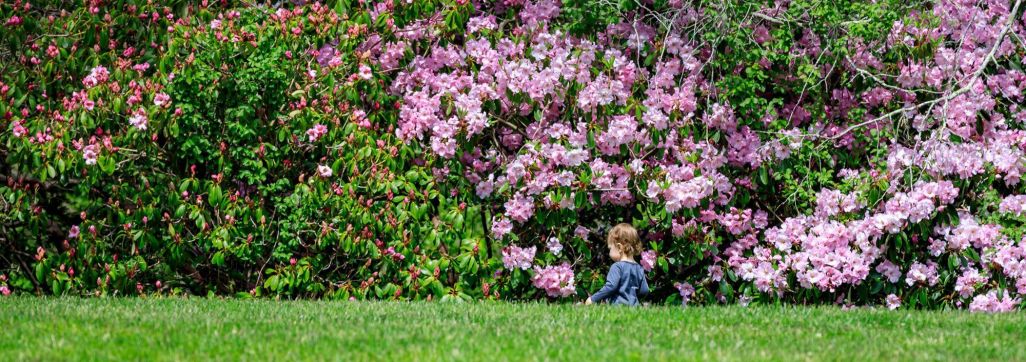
{"x": 210, "y": 329}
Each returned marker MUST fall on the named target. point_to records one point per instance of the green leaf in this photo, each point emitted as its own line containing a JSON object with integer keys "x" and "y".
{"x": 217, "y": 258}
{"x": 107, "y": 164}
{"x": 215, "y": 195}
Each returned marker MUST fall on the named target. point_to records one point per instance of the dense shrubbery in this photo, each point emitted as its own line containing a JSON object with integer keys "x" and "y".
{"x": 843, "y": 152}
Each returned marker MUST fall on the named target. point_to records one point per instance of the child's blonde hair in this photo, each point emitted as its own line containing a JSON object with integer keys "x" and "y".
{"x": 625, "y": 237}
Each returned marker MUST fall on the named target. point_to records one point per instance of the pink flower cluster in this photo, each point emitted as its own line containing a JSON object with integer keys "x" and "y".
{"x": 922, "y": 274}
{"x": 686, "y": 291}
{"x": 1015, "y": 204}
{"x": 556, "y": 280}
{"x": 554, "y": 246}
{"x": 967, "y": 283}
{"x": 97, "y": 76}
{"x": 554, "y": 117}
{"x": 993, "y": 302}
{"x": 893, "y": 302}
{"x": 500, "y": 227}
{"x": 516, "y": 257}
{"x": 648, "y": 260}
{"x": 316, "y": 132}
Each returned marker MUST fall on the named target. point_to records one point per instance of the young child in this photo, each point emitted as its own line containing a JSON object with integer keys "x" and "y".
{"x": 626, "y": 279}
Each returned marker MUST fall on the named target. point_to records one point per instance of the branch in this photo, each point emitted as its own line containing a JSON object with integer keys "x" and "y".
{"x": 767, "y": 18}
{"x": 965, "y": 88}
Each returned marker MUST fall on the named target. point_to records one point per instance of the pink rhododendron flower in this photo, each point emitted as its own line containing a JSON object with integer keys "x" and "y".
{"x": 1015, "y": 204}
{"x": 162, "y": 100}
{"x": 967, "y": 283}
{"x": 721, "y": 117}
{"x": 365, "y": 72}
{"x": 893, "y": 302}
{"x": 920, "y": 273}
{"x": 90, "y": 153}
{"x": 686, "y": 291}
{"x": 554, "y": 246}
{"x": 18, "y": 129}
{"x": 139, "y": 121}
{"x": 97, "y": 75}
{"x": 316, "y": 132}
{"x": 648, "y": 259}
{"x": 520, "y": 208}
{"x": 991, "y": 302}
{"x": 500, "y": 227}
{"x": 889, "y": 271}
{"x": 324, "y": 171}
{"x": 516, "y": 257}
{"x": 478, "y": 23}
{"x": 485, "y": 187}
{"x": 557, "y": 281}
{"x": 581, "y": 232}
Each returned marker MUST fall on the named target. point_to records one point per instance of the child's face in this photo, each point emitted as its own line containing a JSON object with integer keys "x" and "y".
{"x": 614, "y": 252}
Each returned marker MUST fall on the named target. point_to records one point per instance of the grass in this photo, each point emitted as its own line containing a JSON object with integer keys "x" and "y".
{"x": 191, "y": 329}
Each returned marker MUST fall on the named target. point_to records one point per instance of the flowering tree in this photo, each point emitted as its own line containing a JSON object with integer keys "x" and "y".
{"x": 852, "y": 153}
{"x": 698, "y": 135}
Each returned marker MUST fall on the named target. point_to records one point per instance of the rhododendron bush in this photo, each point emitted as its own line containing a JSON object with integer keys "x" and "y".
{"x": 865, "y": 153}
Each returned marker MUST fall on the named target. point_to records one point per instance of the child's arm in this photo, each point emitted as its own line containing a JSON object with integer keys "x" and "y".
{"x": 644, "y": 286}
{"x": 612, "y": 284}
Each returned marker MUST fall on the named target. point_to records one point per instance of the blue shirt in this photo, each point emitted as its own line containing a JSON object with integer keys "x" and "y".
{"x": 624, "y": 283}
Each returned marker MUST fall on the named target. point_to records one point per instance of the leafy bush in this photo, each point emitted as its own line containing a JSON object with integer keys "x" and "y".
{"x": 806, "y": 152}
{"x": 190, "y": 149}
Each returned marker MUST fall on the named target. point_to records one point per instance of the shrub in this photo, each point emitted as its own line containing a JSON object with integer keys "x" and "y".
{"x": 805, "y": 152}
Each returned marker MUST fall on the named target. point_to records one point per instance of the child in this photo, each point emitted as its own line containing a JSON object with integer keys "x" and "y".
{"x": 626, "y": 279}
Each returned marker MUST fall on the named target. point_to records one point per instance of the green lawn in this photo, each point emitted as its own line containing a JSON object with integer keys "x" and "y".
{"x": 180, "y": 329}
